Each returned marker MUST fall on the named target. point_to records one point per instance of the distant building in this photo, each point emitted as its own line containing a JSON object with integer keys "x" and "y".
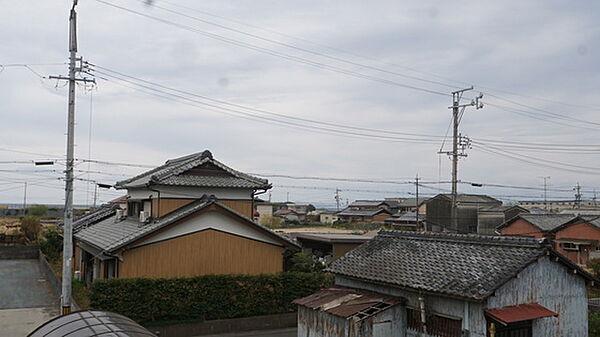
{"x": 439, "y": 212}
{"x": 556, "y": 206}
{"x": 191, "y": 216}
{"x": 408, "y": 284}
{"x": 289, "y": 215}
{"x": 488, "y": 218}
{"x": 409, "y": 204}
{"x": 328, "y": 217}
{"x": 329, "y": 246}
{"x": 263, "y": 210}
{"x": 576, "y": 237}
{"x": 407, "y": 221}
{"x": 368, "y": 211}
{"x": 376, "y": 216}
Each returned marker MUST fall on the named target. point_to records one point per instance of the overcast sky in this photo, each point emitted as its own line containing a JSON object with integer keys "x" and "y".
{"x": 341, "y": 62}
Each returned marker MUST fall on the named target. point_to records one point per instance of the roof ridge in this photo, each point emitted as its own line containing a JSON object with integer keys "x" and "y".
{"x": 467, "y": 238}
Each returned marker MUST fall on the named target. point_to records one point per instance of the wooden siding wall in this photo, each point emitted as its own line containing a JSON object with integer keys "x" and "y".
{"x": 167, "y": 205}
{"x": 202, "y": 253}
{"x": 244, "y": 207}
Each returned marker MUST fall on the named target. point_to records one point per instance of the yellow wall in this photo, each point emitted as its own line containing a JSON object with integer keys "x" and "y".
{"x": 201, "y": 253}
{"x": 244, "y": 207}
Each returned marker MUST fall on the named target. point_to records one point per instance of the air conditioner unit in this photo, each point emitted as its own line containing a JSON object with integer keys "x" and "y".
{"x": 120, "y": 214}
{"x": 144, "y": 216}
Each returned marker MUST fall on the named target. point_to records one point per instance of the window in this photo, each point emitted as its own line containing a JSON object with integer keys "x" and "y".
{"x": 521, "y": 329}
{"x": 569, "y": 246}
{"x": 134, "y": 208}
{"x": 436, "y": 325}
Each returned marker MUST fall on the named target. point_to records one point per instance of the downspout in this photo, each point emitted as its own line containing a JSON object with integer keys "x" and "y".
{"x": 466, "y": 320}
{"x": 157, "y": 202}
{"x": 423, "y": 316}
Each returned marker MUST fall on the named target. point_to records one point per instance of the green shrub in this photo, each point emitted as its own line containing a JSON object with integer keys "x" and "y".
{"x": 305, "y": 263}
{"x": 37, "y": 210}
{"x": 594, "y": 265}
{"x": 30, "y": 227}
{"x": 205, "y": 297}
{"x": 594, "y": 324}
{"x": 51, "y": 244}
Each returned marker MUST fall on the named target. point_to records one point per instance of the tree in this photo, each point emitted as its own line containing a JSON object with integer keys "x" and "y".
{"x": 30, "y": 227}
{"x": 37, "y": 210}
{"x": 271, "y": 222}
{"x": 594, "y": 265}
{"x": 305, "y": 263}
{"x": 51, "y": 244}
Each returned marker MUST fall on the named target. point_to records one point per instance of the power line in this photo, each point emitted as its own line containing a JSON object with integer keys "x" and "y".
{"x": 275, "y": 53}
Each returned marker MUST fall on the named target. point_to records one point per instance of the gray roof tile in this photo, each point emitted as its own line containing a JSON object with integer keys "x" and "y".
{"x": 545, "y": 222}
{"x": 173, "y": 172}
{"x": 470, "y": 266}
{"x": 110, "y": 234}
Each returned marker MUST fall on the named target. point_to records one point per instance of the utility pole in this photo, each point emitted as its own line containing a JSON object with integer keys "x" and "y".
{"x": 577, "y": 190}
{"x": 68, "y": 212}
{"x": 545, "y": 191}
{"x": 417, "y": 200}
{"x": 337, "y": 198}
{"x": 459, "y": 141}
{"x": 24, "y": 197}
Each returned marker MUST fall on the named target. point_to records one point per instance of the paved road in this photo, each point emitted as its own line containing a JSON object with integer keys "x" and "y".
{"x": 291, "y": 332}
{"x": 26, "y": 297}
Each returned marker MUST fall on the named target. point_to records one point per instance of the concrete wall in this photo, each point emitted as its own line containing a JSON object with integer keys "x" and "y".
{"x": 553, "y": 286}
{"x": 226, "y": 326}
{"x": 19, "y": 252}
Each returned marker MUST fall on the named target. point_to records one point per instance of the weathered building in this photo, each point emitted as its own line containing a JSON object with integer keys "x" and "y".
{"x": 488, "y": 218}
{"x": 409, "y": 284}
{"x": 407, "y": 221}
{"x": 330, "y": 246}
{"x": 376, "y": 216}
{"x": 439, "y": 215}
{"x": 576, "y": 237}
{"x": 191, "y": 216}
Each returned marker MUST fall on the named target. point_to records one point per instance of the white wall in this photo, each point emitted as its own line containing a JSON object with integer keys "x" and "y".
{"x": 214, "y": 220}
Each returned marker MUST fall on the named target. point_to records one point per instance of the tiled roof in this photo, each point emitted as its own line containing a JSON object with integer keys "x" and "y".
{"x": 112, "y": 234}
{"x": 407, "y": 216}
{"x": 464, "y": 265}
{"x": 367, "y": 203}
{"x": 471, "y": 198}
{"x": 545, "y": 222}
{"x": 173, "y": 172}
{"x": 105, "y": 211}
{"x": 333, "y": 237}
{"x": 350, "y": 212}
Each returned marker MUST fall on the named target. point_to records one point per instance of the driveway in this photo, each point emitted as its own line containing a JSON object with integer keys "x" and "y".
{"x": 26, "y": 297}
{"x": 291, "y": 332}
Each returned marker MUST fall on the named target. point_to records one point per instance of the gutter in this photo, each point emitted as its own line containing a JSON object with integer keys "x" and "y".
{"x": 157, "y": 203}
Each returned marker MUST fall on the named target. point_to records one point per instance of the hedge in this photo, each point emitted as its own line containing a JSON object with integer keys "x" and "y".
{"x": 205, "y": 297}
